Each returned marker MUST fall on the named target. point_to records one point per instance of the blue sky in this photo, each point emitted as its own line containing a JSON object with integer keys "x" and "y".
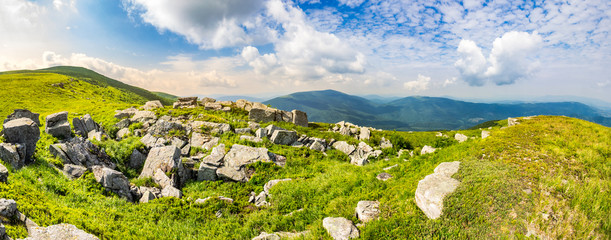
{"x": 467, "y": 49}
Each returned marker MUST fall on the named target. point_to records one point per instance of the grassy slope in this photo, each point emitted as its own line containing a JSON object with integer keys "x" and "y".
{"x": 565, "y": 162}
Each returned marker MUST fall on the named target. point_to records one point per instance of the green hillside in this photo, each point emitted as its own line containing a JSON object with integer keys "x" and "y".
{"x": 548, "y": 177}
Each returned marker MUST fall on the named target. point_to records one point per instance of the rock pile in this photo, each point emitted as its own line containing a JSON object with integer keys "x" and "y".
{"x": 349, "y": 129}
{"x": 434, "y": 187}
{"x": 360, "y": 154}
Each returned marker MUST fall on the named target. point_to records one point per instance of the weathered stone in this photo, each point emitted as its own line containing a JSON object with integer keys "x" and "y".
{"x": 365, "y": 134}
{"x": 95, "y": 135}
{"x": 280, "y": 235}
{"x": 202, "y": 201}
{"x": 262, "y": 115}
{"x": 23, "y": 131}
{"x": 136, "y": 159}
{"x": 124, "y": 123}
{"x": 438, "y": 134}
{"x": 23, "y": 113}
{"x": 163, "y": 128}
{"x": 197, "y": 139}
{"x": 343, "y": 130}
{"x": 147, "y": 196}
{"x": 360, "y": 156}
{"x": 126, "y": 113}
{"x": 81, "y": 152}
{"x": 427, "y": 149}
{"x": 512, "y": 122}
{"x": 367, "y": 210}
{"x": 207, "y": 100}
{"x": 3, "y": 173}
{"x": 251, "y": 138}
{"x": 57, "y": 125}
{"x": 261, "y": 133}
{"x": 261, "y": 199}
{"x": 340, "y": 228}
{"x": 273, "y": 183}
{"x": 271, "y": 129}
{"x": 216, "y": 156}
{"x": 152, "y": 141}
{"x": 300, "y": 118}
{"x": 318, "y": 146}
{"x": 210, "y": 144}
{"x": 485, "y": 134}
{"x": 344, "y": 147}
{"x": 113, "y": 181}
{"x": 59, "y": 231}
{"x": 384, "y": 176}
{"x": 232, "y": 174}
{"x": 434, "y": 187}
{"x": 8, "y": 208}
{"x": 13, "y": 154}
{"x": 143, "y": 116}
{"x": 74, "y": 171}
{"x": 162, "y": 179}
{"x": 206, "y": 173}
{"x": 242, "y": 131}
{"x": 460, "y": 137}
{"x": 170, "y": 191}
{"x": 122, "y": 133}
{"x": 150, "y": 105}
{"x": 185, "y": 102}
{"x": 283, "y": 116}
{"x": 168, "y": 160}
{"x": 84, "y": 125}
{"x": 240, "y": 155}
{"x": 213, "y": 106}
{"x": 284, "y": 137}
{"x": 385, "y": 143}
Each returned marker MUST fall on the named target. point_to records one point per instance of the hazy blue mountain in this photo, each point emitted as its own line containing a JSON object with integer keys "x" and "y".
{"x": 421, "y": 113}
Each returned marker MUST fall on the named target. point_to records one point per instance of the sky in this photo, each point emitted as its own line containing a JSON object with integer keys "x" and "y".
{"x": 503, "y": 50}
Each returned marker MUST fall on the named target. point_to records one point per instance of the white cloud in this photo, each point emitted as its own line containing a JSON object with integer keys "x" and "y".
{"x": 510, "y": 59}
{"x": 351, "y": 3}
{"x": 449, "y": 81}
{"x": 420, "y": 84}
{"x": 207, "y": 23}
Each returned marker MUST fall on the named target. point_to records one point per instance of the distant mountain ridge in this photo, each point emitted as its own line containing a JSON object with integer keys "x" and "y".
{"x": 421, "y": 113}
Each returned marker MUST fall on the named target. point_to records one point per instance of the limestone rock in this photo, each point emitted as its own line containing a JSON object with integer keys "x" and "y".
{"x": 460, "y": 137}
{"x": 283, "y": 116}
{"x": 261, "y": 133}
{"x": 384, "y": 176}
{"x": 74, "y": 171}
{"x": 122, "y": 133}
{"x": 81, "y": 152}
{"x": 23, "y": 131}
{"x": 512, "y": 122}
{"x": 13, "y": 154}
{"x": 162, "y": 179}
{"x": 284, "y": 137}
{"x": 251, "y": 138}
{"x": 262, "y": 115}
{"x": 170, "y": 191}
{"x": 210, "y": 144}
{"x": 57, "y": 125}
{"x": 232, "y": 174}
{"x": 213, "y": 106}
{"x": 96, "y": 135}
{"x": 216, "y": 156}
{"x": 485, "y": 134}
{"x": 240, "y": 155}
{"x": 300, "y": 118}
{"x": 365, "y": 134}
{"x": 147, "y": 196}
{"x": 136, "y": 159}
{"x": 340, "y": 228}
{"x": 197, "y": 139}
{"x": 168, "y": 160}
{"x": 273, "y": 183}
{"x": 385, "y": 143}
{"x": 3, "y": 173}
{"x": 242, "y": 130}
{"x": 206, "y": 173}
{"x": 271, "y": 129}
{"x": 367, "y": 210}
{"x": 207, "y": 100}
{"x": 84, "y": 125}
{"x": 162, "y": 128}
{"x": 143, "y": 116}
{"x": 434, "y": 187}
{"x": 150, "y": 105}
{"x": 59, "y": 231}
{"x": 344, "y": 147}
{"x": 126, "y": 113}
{"x": 113, "y": 181}
{"x": 8, "y": 208}
{"x": 124, "y": 123}
{"x": 23, "y": 113}
{"x": 427, "y": 149}
{"x": 151, "y": 141}
{"x": 185, "y": 102}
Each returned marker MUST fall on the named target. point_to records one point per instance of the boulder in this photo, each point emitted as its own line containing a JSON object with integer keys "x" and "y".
{"x": 59, "y": 231}
{"x": 162, "y": 179}
{"x": 434, "y": 187}
{"x": 281, "y": 235}
{"x": 84, "y": 125}
{"x": 96, "y": 135}
{"x": 198, "y": 139}
{"x": 251, "y": 138}
{"x": 242, "y": 131}
{"x": 384, "y": 176}
{"x": 143, "y": 116}
{"x": 151, "y": 141}
{"x": 240, "y": 155}
{"x": 23, "y": 131}
{"x": 213, "y": 106}
{"x": 361, "y": 155}
{"x": 163, "y": 128}
{"x": 512, "y": 122}
{"x": 261, "y": 133}
{"x": 3, "y": 235}
{"x": 261, "y": 199}
{"x": 113, "y": 181}
{"x": 232, "y": 174}
{"x": 207, "y": 100}
{"x": 344, "y": 147}
{"x": 284, "y": 137}
{"x": 485, "y": 134}
{"x": 126, "y": 113}
{"x": 23, "y": 113}
{"x": 82, "y": 153}
{"x": 365, "y": 134}
{"x": 210, "y": 144}
{"x": 3, "y": 173}
{"x": 57, "y": 125}
{"x": 385, "y": 143}
{"x": 74, "y": 171}
{"x": 216, "y": 156}
{"x": 185, "y": 102}
{"x": 427, "y": 149}
{"x": 170, "y": 191}
{"x": 122, "y": 133}
{"x": 13, "y": 154}
{"x": 271, "y": 129}
{"x": 273, "y": 183}
{"x": 283, "y": 116}
{"x": 207, "y": 173}
{"x": 367, "y": 210}
{"x": 340, "y": 228}
{"x": 124, "y": 123}
{"x": 147, "y": 196}
{"x": 8, "y": 208}
{"x": 150, "y": 105}
{"x": 460, "y": 137}
{"x": 168, "y": 160}
{"x": 136, "y": 159}
{"x": 318, "y": 145}
{"x": 262, "y": 115}
{"x": 300, "y": 118}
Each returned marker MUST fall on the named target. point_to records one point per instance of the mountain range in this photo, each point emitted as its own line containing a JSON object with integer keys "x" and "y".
{"x": 422, "y": 113}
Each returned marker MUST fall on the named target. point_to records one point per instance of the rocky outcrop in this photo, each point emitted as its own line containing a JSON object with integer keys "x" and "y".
{"x": 151, "y": 141}
{"x": 340, "y": 228}
{"x": 262, "y": 115}
{"x": 23, "y": 113}
{"x": 136, "y": 159}
{"x": 367, "y": 210}
{"x": 268, "y": 186}
{"x": 434, "y": 187}
{"x": 59, "y": 231}
{"x": 82, "y": 153}
{"x": 168, "y": 160}
{"x": 284, "y": 137}
{"x": 300, "y": 118}
{"x": 13, "y": 153}
{"x": 349, "y": 129}
{"x": 185, "y": 102}
{"x": 460, "y": 137}
{"x": 84, "y": 125}
{"x": 216, "y": 156}
{"x": 57, "y": 125}
{"x": 150, "y": 105}
{"x": 23, "y": 131}
{"x": 365, "y": 133}
{"x": 74, "y": 171}
{"x": 344, "y": 147}
{"x": 113, "y": 181}
{"x": 427, "y": 149}
{"x": 385, "y": 143}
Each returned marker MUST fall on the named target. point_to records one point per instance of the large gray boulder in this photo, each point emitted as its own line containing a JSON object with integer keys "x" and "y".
{"x": 84, "y": 125}
{"x": 262, "y": 115}
{"x": 23, "y": 113}
{"x": 126, "y": 113}
{"x": 143, "y": 116}
{"x": 300, "y": 118}
{"x": 3, "y": 173}
{"x": 151, "y": 141}
{"x": 59, "y": 231}
{"x": 150, "y": 105}
{"x": 240, "y": 155}
{"x": 268, "y": 186}
{"x": 340, "y": 228}
{"x": 207, "y": 173}
{"x": 460, "y": 137}
{"x": 170, "y": 191}
{"x": 23, "y": 131}
{"x": 162, "y": 179}
{"x": 168, "y": 160}
{"x": 367, "y": 210}
{"x": 216, "y": 156}
{"x": 283, "y": 116}
{"x": 74, "y": 171}
{"x": 185, "y": 102}
{"x": 136, "y": 159}
{"x": 365, "y": 134}
{"x": 434, "y": 187}
{"x": 113, "y": 181}
{"x": 81, "y": 152}
{"x": 427, "y": 149}
{"x": 344, "y": 147}
{"x": 57, "y": 125}
{"x": 271, "y": 129}
{"x": 8, "y": 208}
{"x": 13, "y": 154}
{"x": 162, "y": 128}
{"x": 284, "y": 137}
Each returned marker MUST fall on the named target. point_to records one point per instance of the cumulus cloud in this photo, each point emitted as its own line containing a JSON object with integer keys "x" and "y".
{"x": 351, "y": 3}
{"x": 207, "y": 23}
{"x": 511, "y": 58}
{"x": 420, "y": 84}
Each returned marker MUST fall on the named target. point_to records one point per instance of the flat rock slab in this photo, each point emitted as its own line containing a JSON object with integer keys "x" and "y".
{"x": 434, "y": 187}
{"x": 59, "y": 231}
{"x": 367, "y": 210}
{"x": 340, "y": 228}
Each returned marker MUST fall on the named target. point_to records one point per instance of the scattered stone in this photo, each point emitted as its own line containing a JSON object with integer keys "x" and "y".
{"x": 271, "y": 129}
{"x": 340, "y": 228}
{"x": 367, "y": 210}
{"x": 210, "y": 144}
{"x": 427, "y": 149}
{"x": 147, "y": 196}
{"x": 273, "y": 183}
{"x": 124, "y": 123}
{"x": 365, "y": 134}
{"x": 23, "y": 131}
{"x": 262, "y": 115}
{"x": 251, "y": 138}
{"x": 74, "y": 171}
{"x": 261, "y": 133}
{"x": 150, "y": 141}
{"x": 280, "y": 235}
{"x": 122, "y": 133}
{"x": 384, "y": 176}
{"x": 8, "y": 208}
{"x": 512, "y": 122}
{"x": 284, "y": 137}
{"x": 168, "y": 160}
{"x": 170, "y": 191}
{"x": 13, "y": 154}
{"x": 185, "y": 102}
{"x": 460, "y": 137}
{"x": 95, "y": 135}
{"x": 3, "y": 173}
{"x": 206, "y": 173}
{"x": 213, "y": 106}
{"x": 344, "y": 147}
{"x": 231, "y": 174}
{"x": 136, "y": 159}
{"x": 84, "y": 125}
{"x": 143, "y": 116}
{"x": 242, "y": 130}
{"x": 434, "y": 187}
{"x": 318, "y": 145}
{"x": 126, "y": 113}
{"x": 163, "y": 128}
{"x": 240, "y": 155}
{"x": 438, "y": 134}
{"x": 23, "y": 113}
{"x": 202, "y": 201}
{"x": 485, "y": 134}
{"x": 390, "y": 167}
{"x": 197, "y": 139}
{"x": 82, "y": 153}
{"x": 150, "y": 105}
{"x": 113, "y": 181}
{"x": 261, "y": 199}
{"x": 57, "y": 125}
{"x": 216, "y": 156}
{"x": 300, "y": 118}
{"x": 59, "y": 231}
{"x": 162, "y": 179}
{"x": 385, "y": 143}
